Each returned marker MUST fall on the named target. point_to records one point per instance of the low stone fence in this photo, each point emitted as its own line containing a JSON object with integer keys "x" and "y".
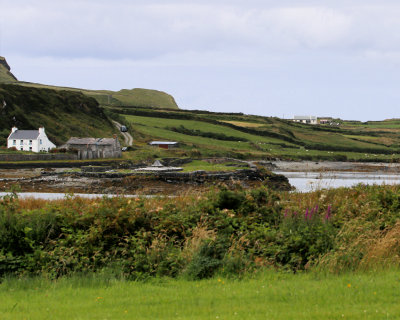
{"x": 37, "y": 157}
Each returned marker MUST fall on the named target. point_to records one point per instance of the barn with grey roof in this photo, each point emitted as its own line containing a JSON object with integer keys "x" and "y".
{"x": 94, "y": 148}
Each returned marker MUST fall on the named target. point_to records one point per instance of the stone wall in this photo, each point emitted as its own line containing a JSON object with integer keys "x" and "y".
{"x": 37, "y": 157}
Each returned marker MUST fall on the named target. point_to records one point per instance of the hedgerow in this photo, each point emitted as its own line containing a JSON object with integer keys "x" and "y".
{"x": 229, "y": 231}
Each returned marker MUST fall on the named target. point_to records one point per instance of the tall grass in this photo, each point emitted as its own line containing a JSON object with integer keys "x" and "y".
{"x": 226, "y": 231}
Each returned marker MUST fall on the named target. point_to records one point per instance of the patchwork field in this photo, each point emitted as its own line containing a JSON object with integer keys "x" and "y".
{"x": 244, "y": 136}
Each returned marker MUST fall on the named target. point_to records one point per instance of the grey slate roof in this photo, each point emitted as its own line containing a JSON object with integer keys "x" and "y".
{"x": 24, "y": 134}
{"x": 86, "y": 141}
{"x": 305, "y": 118}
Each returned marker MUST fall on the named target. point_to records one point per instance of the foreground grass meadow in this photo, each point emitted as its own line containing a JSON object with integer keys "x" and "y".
{"x": 226, "y": 254}
{"x": 268, "y": 295}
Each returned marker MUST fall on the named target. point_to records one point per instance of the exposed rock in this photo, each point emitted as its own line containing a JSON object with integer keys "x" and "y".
{"x": 4, "y": 63}
{"x": 96, "y": 168}
{"x": 175, "y": 162}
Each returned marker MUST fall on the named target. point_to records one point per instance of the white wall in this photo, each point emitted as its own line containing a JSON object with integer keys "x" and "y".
{"x": 43, "y": 143}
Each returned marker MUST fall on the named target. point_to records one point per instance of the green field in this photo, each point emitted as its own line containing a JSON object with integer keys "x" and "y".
{"x": 208, "y": 166}
{"x": 236, "y": 135}
{"x": 270, "y": 295}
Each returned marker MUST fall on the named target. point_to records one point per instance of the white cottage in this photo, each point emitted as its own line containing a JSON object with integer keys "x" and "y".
{"x": 29, "y": 140}
{"x": 305, "y": 119}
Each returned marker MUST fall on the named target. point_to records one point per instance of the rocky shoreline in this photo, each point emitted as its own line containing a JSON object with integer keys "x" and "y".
{"x": 104, "y": 179}
{"x": 138, "y": 182}
{"x": 331, "y": 166}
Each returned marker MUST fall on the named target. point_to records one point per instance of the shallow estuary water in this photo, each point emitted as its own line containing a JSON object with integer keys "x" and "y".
{"x": 310, "y": 181}
{"x": 302, "y": 181}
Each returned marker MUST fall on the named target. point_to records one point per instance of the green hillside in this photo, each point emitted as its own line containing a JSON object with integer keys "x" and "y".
{"x": 125, "y": 97}
{"x": 154, "y": 115}
{"x": 5, "y": 74}
{"x": 217, "y": 134}
{"x": 62, "y": 113}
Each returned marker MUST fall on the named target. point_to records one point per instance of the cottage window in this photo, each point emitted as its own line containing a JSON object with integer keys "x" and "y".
{"x": 30, "y": 148}
{"x": 21, "y": 142}
{"x": 30, "y": 142}
{"x": 14, "y": 142}
{"x": 40, "y": 141}
{"x": 22, "y": 148}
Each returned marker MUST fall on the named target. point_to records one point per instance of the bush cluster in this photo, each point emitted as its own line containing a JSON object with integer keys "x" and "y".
{"x": 226, "y": 231}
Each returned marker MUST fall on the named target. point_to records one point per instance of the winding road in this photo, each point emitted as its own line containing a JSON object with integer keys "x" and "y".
{"x": 127, "y": 136}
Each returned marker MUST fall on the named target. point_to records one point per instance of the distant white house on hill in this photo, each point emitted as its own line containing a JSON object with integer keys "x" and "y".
{"x": 305, "y": 119}
{"x": 29, "y": 140}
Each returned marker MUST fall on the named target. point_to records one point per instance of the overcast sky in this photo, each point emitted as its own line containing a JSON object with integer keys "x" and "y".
{"x": 337, "y": 58}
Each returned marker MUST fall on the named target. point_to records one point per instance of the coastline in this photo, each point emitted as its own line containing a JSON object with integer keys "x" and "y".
{"x": 327, "y": 166}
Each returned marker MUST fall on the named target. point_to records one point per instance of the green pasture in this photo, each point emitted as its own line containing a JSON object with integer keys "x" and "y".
{"x": 334, "y": 139}
{"x": 388, "y": 124}
{"x": 163, "y": 124}
{"x": 270, "y": 295}
{"x": 157, "y": 128}
{"x": 257, "y": 146}
{"x": 207, "y": 166}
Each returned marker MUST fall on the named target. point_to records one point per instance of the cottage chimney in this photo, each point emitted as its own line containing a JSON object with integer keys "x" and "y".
{"x": 41, "y": 130}
{"x": 13, "y": 129}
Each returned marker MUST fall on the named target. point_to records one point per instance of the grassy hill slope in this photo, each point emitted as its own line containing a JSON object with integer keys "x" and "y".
{"x": 125, "y": 97}
{"x": 5, "y": 74}
{"x": 62, "y": 113}
{"x": 222, "y": 134}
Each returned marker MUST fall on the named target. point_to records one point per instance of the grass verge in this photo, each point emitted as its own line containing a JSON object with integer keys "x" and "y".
{"x": 269, "y": 295}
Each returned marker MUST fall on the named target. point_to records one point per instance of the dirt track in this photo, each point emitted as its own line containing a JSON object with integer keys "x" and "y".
{"x": 127, "y": 136}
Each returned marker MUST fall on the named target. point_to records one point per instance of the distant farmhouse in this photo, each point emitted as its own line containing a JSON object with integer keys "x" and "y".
{"x": 94, "y": 148}
{"x": 325, "y": 120}
{"x": 164, "y": 144}
{"x": 305, "y": 119}
{"x": 29, "y": 140}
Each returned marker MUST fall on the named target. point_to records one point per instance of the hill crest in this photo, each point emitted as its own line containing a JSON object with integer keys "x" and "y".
{"x": 5, "y": 71}
{"x": 125, "y": 97}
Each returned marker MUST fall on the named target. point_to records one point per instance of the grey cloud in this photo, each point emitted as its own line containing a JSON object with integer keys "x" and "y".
{"x": 143, "y": 29}
{"x": 257, "y": 56}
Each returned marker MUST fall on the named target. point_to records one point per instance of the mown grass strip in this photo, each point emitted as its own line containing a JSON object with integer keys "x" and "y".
{"x": 270, "y": 295}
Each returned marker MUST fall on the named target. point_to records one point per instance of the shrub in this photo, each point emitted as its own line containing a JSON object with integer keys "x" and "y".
{"x": 226, "y": 231}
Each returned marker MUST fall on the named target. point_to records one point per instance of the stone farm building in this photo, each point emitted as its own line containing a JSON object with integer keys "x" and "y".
{"x": 29, "y": 140}
{"x": 94, "y": 148}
